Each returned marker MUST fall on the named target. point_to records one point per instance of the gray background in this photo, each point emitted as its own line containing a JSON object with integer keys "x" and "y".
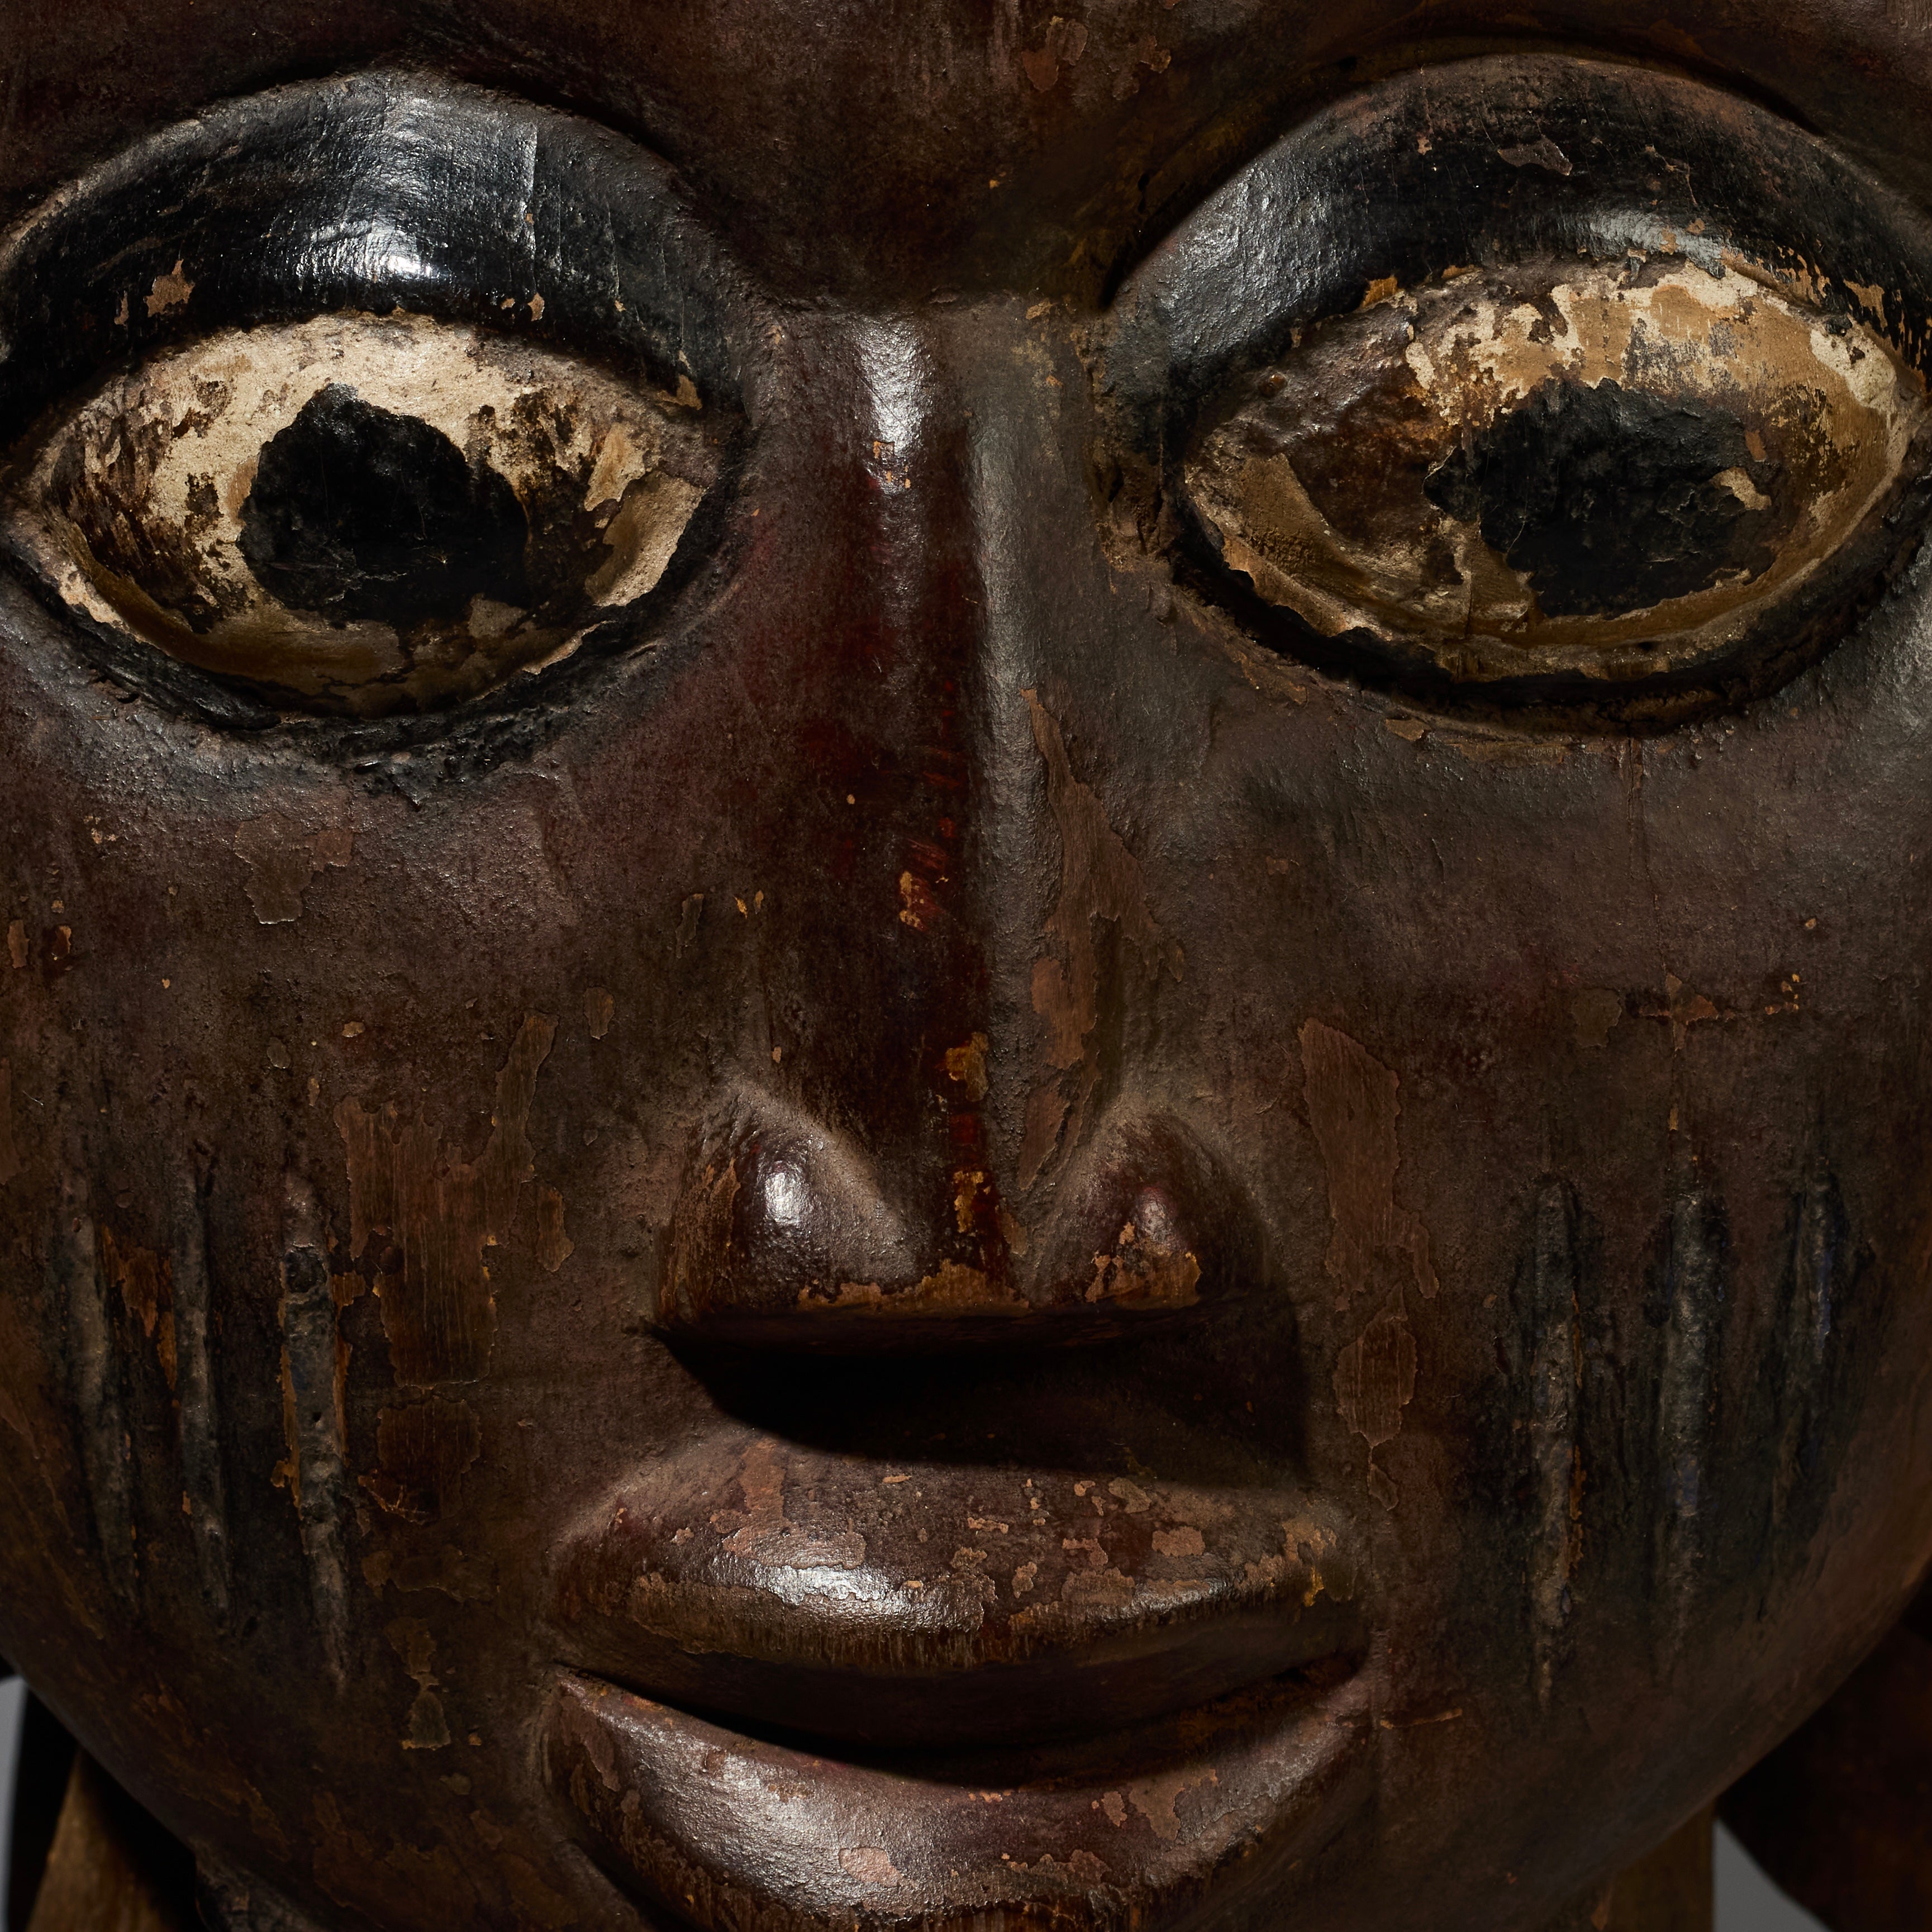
{"x": 1746, "y": 1901}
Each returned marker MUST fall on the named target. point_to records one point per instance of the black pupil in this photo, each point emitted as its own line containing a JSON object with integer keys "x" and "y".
{"x": 358, "y": 513}
{"x": 1606, "y": 497}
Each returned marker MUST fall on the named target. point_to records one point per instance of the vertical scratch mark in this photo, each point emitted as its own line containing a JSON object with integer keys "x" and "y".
{"x": 99, "y": 1412}
{"x": 1804, "y": 1351}
{"x": 1631, "y": 761}
{"x": 10, "y": 1162}
{"x": 312, "y": 1418}
{"x": 1100, "y": 879}
{"x": 1556, "y": 1376}
{"x": 527, "y": 197}
{"x": 203, "y": 1489}
{"x": 1693, "y": 1307}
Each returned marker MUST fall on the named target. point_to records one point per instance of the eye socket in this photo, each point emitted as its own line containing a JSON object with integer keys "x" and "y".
{"x": 1603, "y": 472}
{"x": 1533, "y": 385}
{"x": 360, "y": 397}
{"x": 363, "y": 515}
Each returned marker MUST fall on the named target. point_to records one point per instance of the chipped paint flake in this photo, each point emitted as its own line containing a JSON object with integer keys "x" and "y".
{"x": 169, "y": 291}
{"x": 966, "y": 1065}
{"x": 1158, "y": 1800}
{"x": 952, "y": 1285}
{"x": 282, "y": 857}
{"x": 145, "y": 1284}
{"x": 871, "y": 1865}
{"x": 1542, "y": 152}
{"x": 1375, "y": 1381}
{"x": 554, "y": 1247}
{"x": 1353, "y": 1109}
{"x": 1147, "y": 1268}
{"x": 1594, "y": 1011}
{"x": 413, "y": 1642}
{"x": 967, "y": 1182}
{"x": 918, "y": 908}
{"x": 762, "y": 1533}
{"x": 1064, "y": 42}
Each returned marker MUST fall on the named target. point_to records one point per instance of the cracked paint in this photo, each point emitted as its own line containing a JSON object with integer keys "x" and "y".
{"x": 1375, "y": 1381}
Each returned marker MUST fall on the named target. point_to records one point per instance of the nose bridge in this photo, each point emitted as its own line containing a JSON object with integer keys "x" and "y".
{"x": 959, "y": 454}
{"x": 1061, "y": 899}
{"x": 912, "y": 642}
{"x": 959, "y": 1143}
{"x": 981, "y": 520}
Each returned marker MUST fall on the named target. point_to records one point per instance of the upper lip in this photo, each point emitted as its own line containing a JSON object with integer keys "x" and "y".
{"x": 919, "y": 1605}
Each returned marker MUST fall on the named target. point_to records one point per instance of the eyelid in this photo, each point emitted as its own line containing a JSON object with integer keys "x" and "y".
{"x": 386, "y": 190}
{"x": 1484, "y": 161}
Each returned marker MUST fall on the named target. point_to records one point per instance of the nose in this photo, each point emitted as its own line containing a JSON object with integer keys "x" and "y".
{"x": 787, "y": 1238}
{"x": 965, "y": 1141}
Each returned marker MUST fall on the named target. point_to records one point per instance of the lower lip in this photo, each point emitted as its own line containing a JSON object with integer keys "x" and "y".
{"x": 1138, "y": 1829}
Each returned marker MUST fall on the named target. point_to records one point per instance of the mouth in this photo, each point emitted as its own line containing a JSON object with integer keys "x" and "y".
{"x": 917, "y": 1606}
{"x": 809, "y": 1688}
{"x": 723, "y": 1829}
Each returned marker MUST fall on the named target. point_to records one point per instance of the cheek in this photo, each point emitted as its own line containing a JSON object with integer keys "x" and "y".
{"x": 1595, "y": 1171}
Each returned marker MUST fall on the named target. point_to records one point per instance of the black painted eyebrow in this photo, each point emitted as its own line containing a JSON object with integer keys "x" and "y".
{"x": 381, "y": 191}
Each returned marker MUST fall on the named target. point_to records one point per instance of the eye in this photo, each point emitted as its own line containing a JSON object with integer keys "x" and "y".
{"x": 1536, "y": 384}
{"x": 292, "y": 432}
{"x": 363, "y": 515}
{"x": 1603, "y": 472}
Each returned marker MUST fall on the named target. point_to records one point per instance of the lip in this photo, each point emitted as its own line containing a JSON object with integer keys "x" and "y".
{"x": 911, "y": 1606}
{"x": 1137, "y": 1828}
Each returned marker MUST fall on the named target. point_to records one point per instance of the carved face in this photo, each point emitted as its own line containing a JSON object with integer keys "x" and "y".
{"x": 963, "y": 969}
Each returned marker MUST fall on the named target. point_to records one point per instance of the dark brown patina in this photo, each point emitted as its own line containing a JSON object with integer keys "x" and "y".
{"x": 949, "y": 984}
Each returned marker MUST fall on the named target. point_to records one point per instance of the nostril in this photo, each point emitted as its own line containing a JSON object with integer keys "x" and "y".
{"x": 785, "y": 1239}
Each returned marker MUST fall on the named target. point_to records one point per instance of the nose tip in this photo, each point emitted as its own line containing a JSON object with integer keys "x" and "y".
{"x": 786, "y": 1238}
